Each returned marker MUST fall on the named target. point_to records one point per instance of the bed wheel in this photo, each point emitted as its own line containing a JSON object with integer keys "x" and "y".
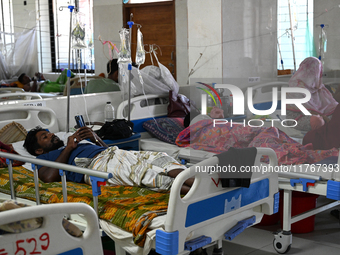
{"x": 282, "y": 242}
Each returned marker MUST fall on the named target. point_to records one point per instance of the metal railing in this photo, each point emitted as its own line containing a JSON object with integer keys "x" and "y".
{"x": 97, "y": 178}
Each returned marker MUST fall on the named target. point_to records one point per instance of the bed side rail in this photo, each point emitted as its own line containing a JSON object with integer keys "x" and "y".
{"x": 97, "y": 178}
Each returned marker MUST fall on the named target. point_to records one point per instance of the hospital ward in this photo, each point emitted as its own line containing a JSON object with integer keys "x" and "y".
{"x": 164, "y": 127}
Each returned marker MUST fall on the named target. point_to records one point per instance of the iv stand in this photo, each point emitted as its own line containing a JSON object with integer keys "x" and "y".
{"x": 71, "y": 7}
{"x": 130, "y": 23}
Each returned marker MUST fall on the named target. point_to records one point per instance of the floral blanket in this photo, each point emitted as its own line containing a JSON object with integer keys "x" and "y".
{"x": 130, "y": 208}
{"x": 204, "y": 136}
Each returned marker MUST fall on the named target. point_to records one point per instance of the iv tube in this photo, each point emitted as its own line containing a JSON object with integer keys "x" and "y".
{"x": 322, "y": 43}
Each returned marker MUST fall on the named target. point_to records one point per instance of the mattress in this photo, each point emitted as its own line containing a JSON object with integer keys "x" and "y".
{"x": 154, "y": 144}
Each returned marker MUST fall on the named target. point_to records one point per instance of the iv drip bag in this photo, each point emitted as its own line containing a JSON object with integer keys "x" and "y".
{"x": 140, "y": 53}
{"x": 125, "y": 50}
{"x": 78, "y": 33}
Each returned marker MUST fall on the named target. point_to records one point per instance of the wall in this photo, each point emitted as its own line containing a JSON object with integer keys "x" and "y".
{"x": 204, "y": 40}
{"x": 182, "y": 60}
{"x": 249, "y": 41}
{"x": 107, "y": 20}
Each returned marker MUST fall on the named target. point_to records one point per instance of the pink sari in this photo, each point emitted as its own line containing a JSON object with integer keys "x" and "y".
{"x": 309, "y": 76}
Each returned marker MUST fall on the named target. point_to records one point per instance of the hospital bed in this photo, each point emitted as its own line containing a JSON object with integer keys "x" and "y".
{"x": 323, "y": 180}
{"x": 320, "y": 179}
{"x": 234, "y": 209}
{"x": 141, "y": 112}
{"x": 51, "y": 237}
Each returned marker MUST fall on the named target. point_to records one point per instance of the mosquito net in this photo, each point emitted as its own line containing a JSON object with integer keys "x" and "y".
{"x": 18, "y": 54}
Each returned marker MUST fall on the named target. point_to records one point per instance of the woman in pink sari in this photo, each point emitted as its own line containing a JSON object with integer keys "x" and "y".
{"x": 309, "y": 76}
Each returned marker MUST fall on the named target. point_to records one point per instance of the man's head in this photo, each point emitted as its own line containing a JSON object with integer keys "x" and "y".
{"x": 39, "y": 141}
{"x": 112, "y": 70}
{"x": 24, "y": 79}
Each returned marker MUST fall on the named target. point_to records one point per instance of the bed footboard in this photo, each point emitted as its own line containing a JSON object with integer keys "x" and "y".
{"x": 51, "y": 237}
{"x": 209, "y": 213}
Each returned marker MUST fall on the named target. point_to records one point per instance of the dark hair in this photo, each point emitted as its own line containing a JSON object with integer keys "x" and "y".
{"x": 112, "y": 66}
{"x": 21, "y": 77}
{"x": 31, "y": 142}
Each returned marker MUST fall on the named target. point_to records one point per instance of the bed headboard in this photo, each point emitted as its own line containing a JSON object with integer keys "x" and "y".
{"x": 157, "y": 106}
{"x": 141, "y": 111}
{"x": 19, "y": 96}
{"x": 29, "y": 117}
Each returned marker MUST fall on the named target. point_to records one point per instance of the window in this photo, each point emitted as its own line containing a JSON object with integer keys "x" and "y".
{"x": 55, "y": 31}
{"x": 302, "y": 24}
{"x": 6, "y": 25}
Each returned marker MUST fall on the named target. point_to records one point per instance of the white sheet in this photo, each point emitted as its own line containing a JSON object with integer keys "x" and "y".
{"x": 154, "y": 144}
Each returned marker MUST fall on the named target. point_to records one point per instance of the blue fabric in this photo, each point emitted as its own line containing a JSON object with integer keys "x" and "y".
{"x": 165, "y": 129}
{"x": 82, "y": 151}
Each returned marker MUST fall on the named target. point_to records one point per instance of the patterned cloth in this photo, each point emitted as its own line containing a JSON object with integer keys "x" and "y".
{"x": 165, "y": 129}
{"x": 119, "y": 205}
{"x": 203, "y": 136}
{"x": 136, "y": 168}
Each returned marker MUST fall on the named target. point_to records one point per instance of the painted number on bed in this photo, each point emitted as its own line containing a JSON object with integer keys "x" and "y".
{"x": 30, "y": 245}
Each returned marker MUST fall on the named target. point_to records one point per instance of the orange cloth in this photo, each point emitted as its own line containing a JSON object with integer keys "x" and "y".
{"x": 17, "y": 84}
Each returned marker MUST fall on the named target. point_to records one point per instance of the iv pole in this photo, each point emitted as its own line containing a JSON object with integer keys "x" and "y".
{"x": 71, "y": 7}
{"x": 130, "y": 23}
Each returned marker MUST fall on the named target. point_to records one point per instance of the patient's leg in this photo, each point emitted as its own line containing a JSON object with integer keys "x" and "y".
{"x": 187, "y": 184}
{"x": 173, "y": 173}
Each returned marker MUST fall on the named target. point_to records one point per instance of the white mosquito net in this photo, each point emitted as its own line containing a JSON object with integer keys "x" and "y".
{"x": 18, "y": 54}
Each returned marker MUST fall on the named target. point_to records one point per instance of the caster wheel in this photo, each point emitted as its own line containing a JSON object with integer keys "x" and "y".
{"x": 280, "y": 247}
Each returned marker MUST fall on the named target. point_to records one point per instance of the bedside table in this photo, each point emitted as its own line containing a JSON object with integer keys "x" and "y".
{"x": 131, "y": 143}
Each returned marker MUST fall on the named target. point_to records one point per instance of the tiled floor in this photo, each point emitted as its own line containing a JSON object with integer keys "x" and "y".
{"x": 258, "y": 240}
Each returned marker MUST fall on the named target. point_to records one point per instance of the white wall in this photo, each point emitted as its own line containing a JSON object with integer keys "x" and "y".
{"x": 204, "y": 37}
{"x": 249, "y": 41}
{"x": 107, "y": 20}
{"x": 182, "y": 60}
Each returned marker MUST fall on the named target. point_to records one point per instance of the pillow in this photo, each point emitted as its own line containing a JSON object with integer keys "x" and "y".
{"x": 12, "y": 132}
{"x": 165, "y": 129}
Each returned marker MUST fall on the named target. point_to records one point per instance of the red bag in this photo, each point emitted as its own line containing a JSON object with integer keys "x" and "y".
{"x": 179, "y": 105}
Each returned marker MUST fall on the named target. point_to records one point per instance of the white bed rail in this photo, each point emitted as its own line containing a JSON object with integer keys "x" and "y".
{"x": 96, "y": 176}
{"x": 51, "y": 237}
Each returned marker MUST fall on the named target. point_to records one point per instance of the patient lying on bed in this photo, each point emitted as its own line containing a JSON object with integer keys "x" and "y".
{"x": 155, "y": 170}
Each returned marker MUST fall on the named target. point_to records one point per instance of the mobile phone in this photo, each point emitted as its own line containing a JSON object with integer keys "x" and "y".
{"x": 80, "y": 121}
